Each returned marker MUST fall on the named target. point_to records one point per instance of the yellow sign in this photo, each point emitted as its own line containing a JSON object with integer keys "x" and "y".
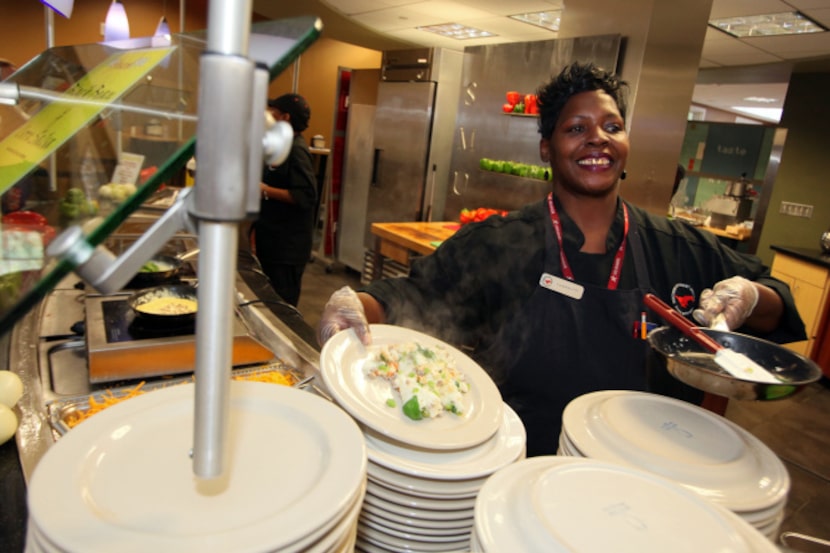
{"x": 56, "y": 123}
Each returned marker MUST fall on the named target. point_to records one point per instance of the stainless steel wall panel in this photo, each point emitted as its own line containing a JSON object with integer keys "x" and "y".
{"x": 357, "y": 173}
{"x": 663, "y": 45}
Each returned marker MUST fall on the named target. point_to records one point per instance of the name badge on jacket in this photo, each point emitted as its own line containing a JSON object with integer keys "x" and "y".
{"x": 561, "y": 286}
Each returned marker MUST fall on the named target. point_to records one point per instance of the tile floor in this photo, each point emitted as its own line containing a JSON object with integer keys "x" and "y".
{"x": 797, "y": 429}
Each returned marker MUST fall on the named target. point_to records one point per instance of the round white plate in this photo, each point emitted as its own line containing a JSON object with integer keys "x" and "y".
{"x": 761, "y": 517}
{"x": 424, "y": 487}
{"x": 376, "y": 521}
{"x": 581, "y": 505}
{"x": 336, "y": 537}
{"x": 125, "y": 477}
{"x": 365, "y": 547}
{"x": 475, "y": 546}
{"x": 398, "y": 544}
{"x": 679, "y": 441}
{"x": 479, "y": 461}
{"x": 36, "y": 542}
{"x": 758, "y": 541}
{"x": 453, "y": 526}
{"x": 417, "y": 512}
{"x": 417, "y": 502}
{"x": 410, "y": 534}
{"x": 342, "y": 365}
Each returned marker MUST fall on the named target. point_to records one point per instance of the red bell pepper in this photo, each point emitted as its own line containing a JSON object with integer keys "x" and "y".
{"x": 530, "y": 104}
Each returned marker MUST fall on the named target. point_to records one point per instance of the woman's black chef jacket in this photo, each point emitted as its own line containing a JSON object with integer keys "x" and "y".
{"x": 484, "y": 278}
{"x": 285, "y": 231}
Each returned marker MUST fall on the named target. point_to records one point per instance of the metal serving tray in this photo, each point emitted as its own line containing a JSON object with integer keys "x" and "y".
{"x": 61, "y": 410}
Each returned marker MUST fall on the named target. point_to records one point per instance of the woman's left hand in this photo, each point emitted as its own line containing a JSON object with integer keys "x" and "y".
{"x": 734, "y": 297}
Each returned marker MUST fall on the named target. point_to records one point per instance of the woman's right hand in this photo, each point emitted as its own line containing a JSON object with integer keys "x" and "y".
{"x": 343, "y": 310}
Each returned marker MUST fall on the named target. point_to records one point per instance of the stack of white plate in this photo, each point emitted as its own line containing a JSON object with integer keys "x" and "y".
{"x": 424, "y": 475}
{"x": 568, "y": 504}
{"x": 696, "y": 448}
{"x": 123, "y": 480}
{"x": 422, "y": 500}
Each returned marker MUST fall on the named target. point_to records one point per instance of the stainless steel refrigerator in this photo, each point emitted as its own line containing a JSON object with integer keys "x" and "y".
{"x": 398, "y": 145}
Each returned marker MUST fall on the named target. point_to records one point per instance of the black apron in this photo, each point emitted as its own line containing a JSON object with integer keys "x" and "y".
{"x": 561, "y": 348}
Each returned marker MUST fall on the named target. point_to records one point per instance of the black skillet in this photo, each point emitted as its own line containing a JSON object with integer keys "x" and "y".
{"x": 169, "y": 268}
{"x": 145, "y": 295}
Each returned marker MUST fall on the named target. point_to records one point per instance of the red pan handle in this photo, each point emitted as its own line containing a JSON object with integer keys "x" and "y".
{"x": 680, "y": 322}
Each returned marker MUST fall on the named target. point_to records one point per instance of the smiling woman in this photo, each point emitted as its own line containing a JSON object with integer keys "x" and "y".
{"x": 559, "y": 283}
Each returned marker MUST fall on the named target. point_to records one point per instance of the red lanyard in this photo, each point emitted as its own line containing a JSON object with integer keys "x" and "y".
{"x": 616, "y": 268}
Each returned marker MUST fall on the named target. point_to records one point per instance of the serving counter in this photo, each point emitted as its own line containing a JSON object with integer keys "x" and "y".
{"x": 732, "y": 235}
{"x": 46, "y": 350}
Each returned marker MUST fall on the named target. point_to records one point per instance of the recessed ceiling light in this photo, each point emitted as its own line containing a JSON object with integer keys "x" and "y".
{"x": 456, "y": 31}
{"x": 760, "y": 99}
{"x": 787, "y": 23}
{"x": 547, "y": 20}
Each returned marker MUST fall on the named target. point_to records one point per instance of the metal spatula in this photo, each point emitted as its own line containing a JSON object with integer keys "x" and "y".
{"x": 735, "y": 363}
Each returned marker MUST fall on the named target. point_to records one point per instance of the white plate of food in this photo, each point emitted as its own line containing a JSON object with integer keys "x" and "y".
{"x": 356, "y": 377}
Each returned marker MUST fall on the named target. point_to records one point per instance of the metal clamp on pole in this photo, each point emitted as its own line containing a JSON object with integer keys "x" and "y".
{"x": 9, "y": 94}
{"x": 276, "y": 138}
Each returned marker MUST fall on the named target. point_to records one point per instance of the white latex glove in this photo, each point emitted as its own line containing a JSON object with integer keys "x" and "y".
{"x": 342, "y": 311}
{"x": 734, "y": 297}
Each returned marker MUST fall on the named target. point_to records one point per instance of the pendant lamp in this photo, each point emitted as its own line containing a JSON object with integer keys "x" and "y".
{"x": 63, "y": 7}
{"x": 163, "y": 29}
{"x": 116, "y": 26}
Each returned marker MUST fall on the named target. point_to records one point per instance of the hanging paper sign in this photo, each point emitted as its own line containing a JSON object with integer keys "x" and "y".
{"x": 128, "y": 168}
{"x": 56, "y": 123}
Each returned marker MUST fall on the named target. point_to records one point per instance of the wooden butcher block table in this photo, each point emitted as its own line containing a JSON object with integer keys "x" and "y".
{"x": 398, "y": 241}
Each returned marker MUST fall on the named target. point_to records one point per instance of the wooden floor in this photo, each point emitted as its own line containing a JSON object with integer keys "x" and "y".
{"x": 797, "y": 429}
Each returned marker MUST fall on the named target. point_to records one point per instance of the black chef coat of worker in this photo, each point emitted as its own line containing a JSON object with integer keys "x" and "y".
{"x": 284, "y": 232}
{"x": 487, "y": 277}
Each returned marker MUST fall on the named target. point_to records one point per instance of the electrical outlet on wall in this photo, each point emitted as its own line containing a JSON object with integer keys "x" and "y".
{"x": 796, "y": 210}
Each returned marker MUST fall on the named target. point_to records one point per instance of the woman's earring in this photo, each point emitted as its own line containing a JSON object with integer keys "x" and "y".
{"x": 623, "y": 175}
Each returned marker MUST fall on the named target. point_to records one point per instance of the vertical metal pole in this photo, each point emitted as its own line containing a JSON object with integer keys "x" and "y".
{"x": 295, "y": 83}
{"x": 49, "y": 17}
{"x": 222, "y": 151}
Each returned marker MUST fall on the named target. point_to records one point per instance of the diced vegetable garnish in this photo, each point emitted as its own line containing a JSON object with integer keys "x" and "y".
{"x": 426, "y": 379}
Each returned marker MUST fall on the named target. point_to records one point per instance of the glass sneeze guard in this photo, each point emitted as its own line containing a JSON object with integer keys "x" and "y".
{"x": 98, "y": 130}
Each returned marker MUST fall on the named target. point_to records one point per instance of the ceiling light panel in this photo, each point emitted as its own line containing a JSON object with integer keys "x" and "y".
{"x": 773, "y": 24}
{"x": 456, "y": 31}
{"x": 547, "y": 19}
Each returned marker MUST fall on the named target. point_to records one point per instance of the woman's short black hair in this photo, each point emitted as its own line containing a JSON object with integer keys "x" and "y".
{"x": 295, "y": 106}
{"x": 572, "y": 80}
